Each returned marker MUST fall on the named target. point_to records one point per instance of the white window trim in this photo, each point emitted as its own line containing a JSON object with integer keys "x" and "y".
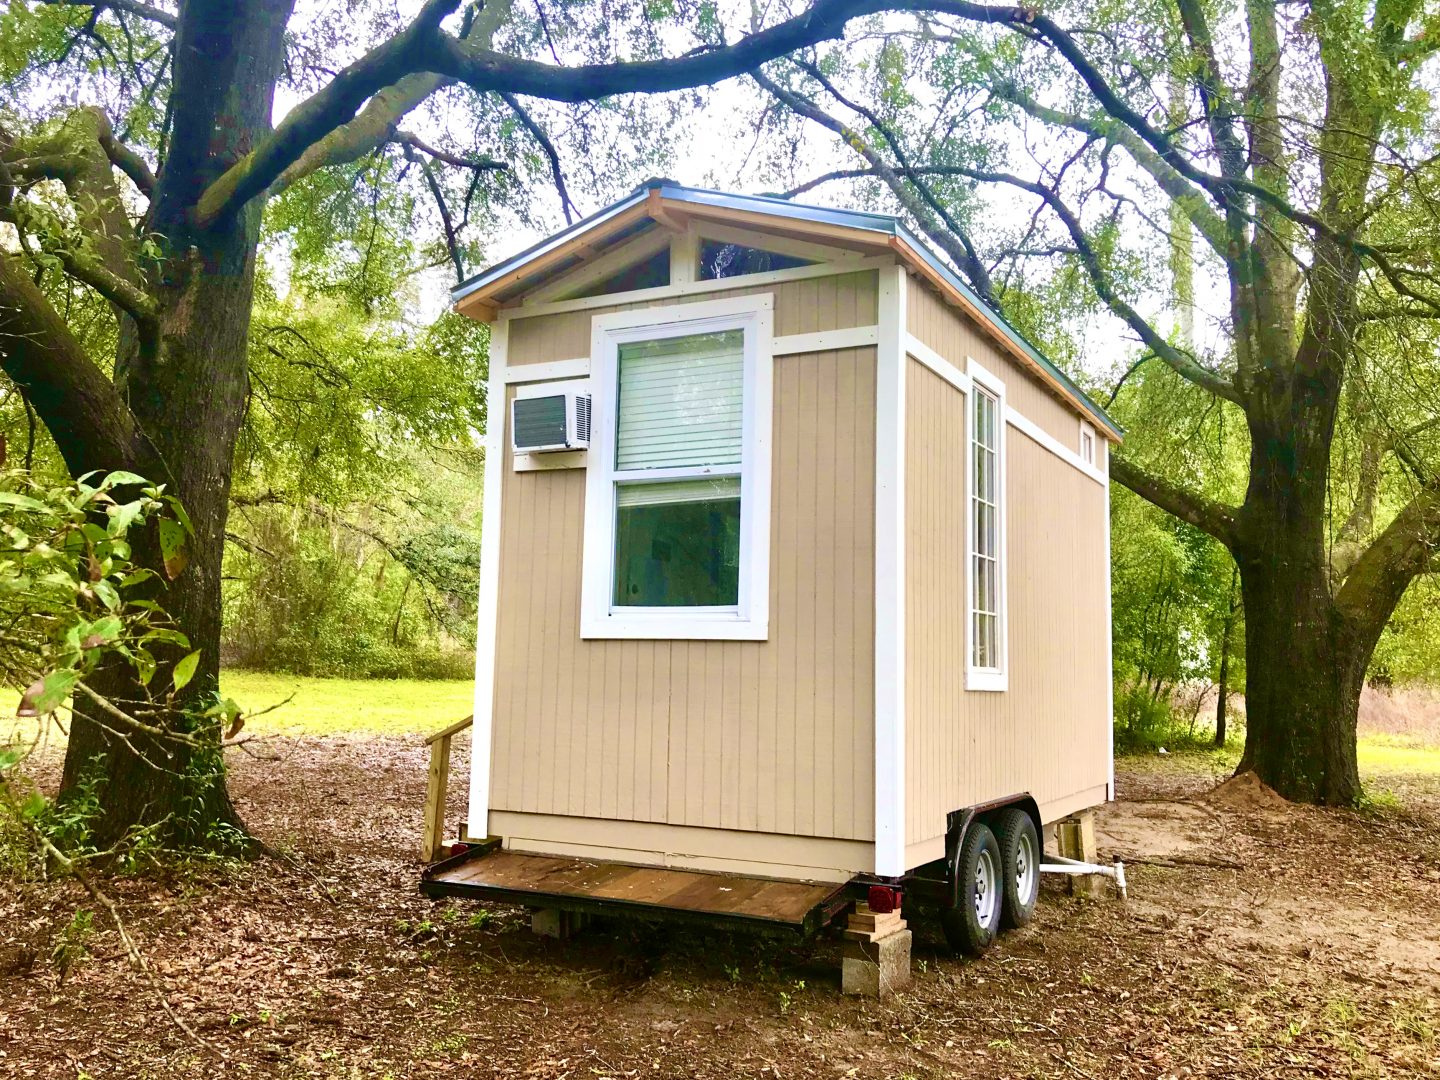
{"x": 751, "y": 621}
{"x": 1088, "y": 429}
{"x": 996, "y": 678}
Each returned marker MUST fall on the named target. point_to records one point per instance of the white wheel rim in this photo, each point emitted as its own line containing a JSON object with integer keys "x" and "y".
{"x": 1026, "y": 872}
{"x": 987, "y": 901}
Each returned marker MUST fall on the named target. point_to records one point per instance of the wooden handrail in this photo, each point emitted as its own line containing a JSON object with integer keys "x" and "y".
{"x": 453, "y": 729}
{"x": 432, "y": 843}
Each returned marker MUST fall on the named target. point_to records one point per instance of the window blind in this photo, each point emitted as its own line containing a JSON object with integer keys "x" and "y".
{"x": 681, "y": 401}
{"x": 678, "y": 491}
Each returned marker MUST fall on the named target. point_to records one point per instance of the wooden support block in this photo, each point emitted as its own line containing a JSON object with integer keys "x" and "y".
{"x": 877, "y": 967}
{"x": 557, "y": 924}
{"x": 864, "y": 922}
{"x": 1075, "y": 837}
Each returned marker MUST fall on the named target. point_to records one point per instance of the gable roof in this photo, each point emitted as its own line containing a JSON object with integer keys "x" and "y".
{"x": 651, "y": 202}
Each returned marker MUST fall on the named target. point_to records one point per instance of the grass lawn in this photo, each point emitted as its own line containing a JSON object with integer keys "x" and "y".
{"x": 348, "y": 706}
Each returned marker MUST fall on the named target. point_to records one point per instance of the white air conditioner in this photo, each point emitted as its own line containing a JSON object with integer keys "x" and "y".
{"x": 543, "y": 423}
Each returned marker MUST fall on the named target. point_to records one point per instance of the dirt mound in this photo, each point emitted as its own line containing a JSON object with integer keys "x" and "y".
{"x": 1244, "y": 792}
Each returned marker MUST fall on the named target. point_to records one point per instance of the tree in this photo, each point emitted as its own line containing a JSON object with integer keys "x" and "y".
{"x": 1301, "y": 156}
{"x": 168, "y": 236}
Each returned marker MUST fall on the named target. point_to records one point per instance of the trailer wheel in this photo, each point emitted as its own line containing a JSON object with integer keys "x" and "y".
{"x": 1020, "y": 854}
{"x": 971, "y": 926}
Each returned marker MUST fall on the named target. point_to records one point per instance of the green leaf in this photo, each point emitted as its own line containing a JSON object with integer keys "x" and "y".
{"x": 119, "y": 477}
{"x": 48, "y": 694}
{"x": 135, "y": 578}
{"x": 20, "y": 502}
{"x": 185, "y": 670}
{"x": 122, "y": 516}
{"x": 172, "y": 547}
{"x": 107, "y": 594}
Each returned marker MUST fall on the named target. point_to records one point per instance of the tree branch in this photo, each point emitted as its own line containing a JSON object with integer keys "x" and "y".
{"x": 1213, "y": 518}
{"x": 452, "y": 243}
{"x": 970, "y": 261}
{"x": 537, "y": 133}
{"x": 124, "y": 158}
{"x": 955, "y": 242}
{"x": 128, "y": 7}
{"x": 1380, "y": 576}
{"x": 77, "y": 402}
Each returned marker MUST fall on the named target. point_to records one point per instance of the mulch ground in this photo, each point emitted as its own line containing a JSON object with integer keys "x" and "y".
{"x": 1259, "y": 940}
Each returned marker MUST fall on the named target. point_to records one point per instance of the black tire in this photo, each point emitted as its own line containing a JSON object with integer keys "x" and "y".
{"x": 1020, "y": 855}
{"x": 973, "y": 924}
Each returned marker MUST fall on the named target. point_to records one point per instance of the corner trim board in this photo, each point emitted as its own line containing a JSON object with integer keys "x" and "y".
{"x": 488, "y": 607}
{"x": 890, "y": 576}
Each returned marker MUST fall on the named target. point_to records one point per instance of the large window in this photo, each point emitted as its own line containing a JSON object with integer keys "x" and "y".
{"x": 677, "y": 496}
{"x": 986, "y": 669}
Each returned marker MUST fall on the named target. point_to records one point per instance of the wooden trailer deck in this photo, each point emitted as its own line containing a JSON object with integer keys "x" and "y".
{"x": 637, "y": 891}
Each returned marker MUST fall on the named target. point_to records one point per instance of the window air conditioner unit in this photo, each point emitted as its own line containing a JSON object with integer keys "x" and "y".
{"x": 558, "y": 421}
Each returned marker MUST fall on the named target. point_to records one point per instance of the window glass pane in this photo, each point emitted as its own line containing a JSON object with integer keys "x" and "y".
{"x": 721, "y": 260}
{"x": 677, "y": 544}
{"x": 681, "y": 401}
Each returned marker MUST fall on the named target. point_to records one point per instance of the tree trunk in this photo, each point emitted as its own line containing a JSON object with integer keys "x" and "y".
{"x": 1304, "y": 670}
{"x": 1222, "y": 699}
{"x": 189, "y": 396}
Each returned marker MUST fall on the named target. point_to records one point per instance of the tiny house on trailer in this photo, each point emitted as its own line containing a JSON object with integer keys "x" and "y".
{"x": 795, "y": 569}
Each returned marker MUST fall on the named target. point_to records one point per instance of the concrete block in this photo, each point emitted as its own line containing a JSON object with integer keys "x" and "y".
{"x": 554, "y": 923}
{"x": 876, "y": 968}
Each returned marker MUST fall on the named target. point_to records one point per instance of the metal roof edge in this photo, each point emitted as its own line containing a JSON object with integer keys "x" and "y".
{"x": 480, "y": 280}
{"x": 1004, "y": 326}
{"x": 886, "y": 224}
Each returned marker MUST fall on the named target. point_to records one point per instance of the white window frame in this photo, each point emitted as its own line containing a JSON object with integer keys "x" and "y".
{"x": 1087, "y": 431}
{"x": 991, "y": 678}
{"x": 750, "y": 619}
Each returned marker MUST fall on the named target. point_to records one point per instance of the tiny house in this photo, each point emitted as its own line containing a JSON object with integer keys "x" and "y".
{"x": 795, "y": 560}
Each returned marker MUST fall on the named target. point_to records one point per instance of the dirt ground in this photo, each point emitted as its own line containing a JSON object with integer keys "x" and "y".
{"x": 1259, "y": 940}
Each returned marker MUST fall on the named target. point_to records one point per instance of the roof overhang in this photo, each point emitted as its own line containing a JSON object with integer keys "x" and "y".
{"x": 664, "y": 204}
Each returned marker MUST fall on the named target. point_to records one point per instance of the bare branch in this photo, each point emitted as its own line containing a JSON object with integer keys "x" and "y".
{"x": 128, "y": 7}
{"x": 537, "y": 133}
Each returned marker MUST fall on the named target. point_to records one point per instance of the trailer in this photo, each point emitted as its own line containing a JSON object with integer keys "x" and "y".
{"x": 794, "y": 577}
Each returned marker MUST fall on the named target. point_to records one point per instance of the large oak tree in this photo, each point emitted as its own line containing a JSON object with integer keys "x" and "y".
{"x": 1295, "y": 147}
{"x": 166, "y": 233}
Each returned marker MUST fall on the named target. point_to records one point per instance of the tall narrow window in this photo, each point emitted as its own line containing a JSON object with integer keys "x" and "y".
{"x": 986, "y": 668}
{"x": 677, "y": 496}
{"x": 1087, "y": 443}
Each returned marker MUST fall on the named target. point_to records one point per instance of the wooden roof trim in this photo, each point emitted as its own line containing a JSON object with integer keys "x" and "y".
{"x": 480, "y": 305}
{"x": 987, "y": 322}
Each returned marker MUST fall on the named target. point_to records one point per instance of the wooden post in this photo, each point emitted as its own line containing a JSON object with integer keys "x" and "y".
{"x": 432, "y": 842}
{"x": 1075, "y": 837}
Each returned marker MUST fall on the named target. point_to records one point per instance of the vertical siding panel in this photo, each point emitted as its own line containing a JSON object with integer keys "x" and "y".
{"x": 750, "y": 735}
{"x": 831, "y": 506}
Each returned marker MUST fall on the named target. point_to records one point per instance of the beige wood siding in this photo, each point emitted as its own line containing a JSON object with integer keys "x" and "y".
{"x": 955, "y": 337}
{"x": 774, "y": 736}
{"x": 1048, "y": 734}
{"x": 801, "y": 307}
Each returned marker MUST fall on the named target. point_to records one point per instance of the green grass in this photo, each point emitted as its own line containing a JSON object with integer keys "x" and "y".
{"x": 347, "y": 706}
{"x": 1382, "y": 755}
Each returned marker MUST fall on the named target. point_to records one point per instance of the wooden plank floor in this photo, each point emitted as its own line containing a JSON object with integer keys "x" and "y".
{"x": 660, "y": 887}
